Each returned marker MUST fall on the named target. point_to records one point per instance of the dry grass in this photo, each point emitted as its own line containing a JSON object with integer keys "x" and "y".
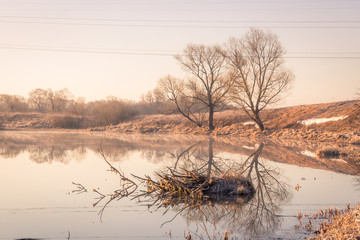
{"x": 174, "y": 187}
{"x": 340, "y": 224}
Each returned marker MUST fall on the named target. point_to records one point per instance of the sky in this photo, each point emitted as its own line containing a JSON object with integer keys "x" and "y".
{"x": 100, "y": 48}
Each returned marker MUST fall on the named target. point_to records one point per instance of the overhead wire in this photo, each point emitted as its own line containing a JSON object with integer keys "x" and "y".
{"x": 169, "y": 23}
{"x": 180, "y": 26}
{"x": 181, "y": 20}
{"x": 335, "y": 55}
{"x": 134, "y": 52}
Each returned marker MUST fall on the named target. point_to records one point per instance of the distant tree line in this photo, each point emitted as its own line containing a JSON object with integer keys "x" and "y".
{"x": 111, "y": 110}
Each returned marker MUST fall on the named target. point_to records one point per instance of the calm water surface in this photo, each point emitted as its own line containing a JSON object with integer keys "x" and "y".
{"x": 39, "y": 199}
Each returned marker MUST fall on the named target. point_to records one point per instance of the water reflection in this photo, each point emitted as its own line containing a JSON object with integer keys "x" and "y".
{"x": 253, "y": 214}
{"x": 247, "y": 216}
{"x": 200, "y": 157}
{"x": 256, "y": 215}
{"x": 271, "y": 193}
{"x": 65, "y": 147}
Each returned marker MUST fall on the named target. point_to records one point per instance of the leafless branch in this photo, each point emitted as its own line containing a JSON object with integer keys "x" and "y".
{"x": 80, "y": 188}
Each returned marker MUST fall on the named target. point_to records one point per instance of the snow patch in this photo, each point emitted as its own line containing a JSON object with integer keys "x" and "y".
{"x": 338, "y": 160}
{"x": 320, "y": 120}
{"x": 247, "y": 147}
{"x": 249, "y": 123}
{"x": 309, "y": 154}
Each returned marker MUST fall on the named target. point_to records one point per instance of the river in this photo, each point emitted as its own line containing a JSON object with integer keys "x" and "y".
{"x": 47, "y": 182}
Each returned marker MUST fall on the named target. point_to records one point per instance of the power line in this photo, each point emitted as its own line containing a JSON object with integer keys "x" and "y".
{"x": 87, "y": 51}
{"x": 4, "y": 45}
{"x": 180, "y": 26}
{"x": 159, "y": 53}
{"x": 184, "y": 21}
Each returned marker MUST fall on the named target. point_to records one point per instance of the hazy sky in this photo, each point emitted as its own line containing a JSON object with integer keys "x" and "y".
{"x": 97, "y": 48}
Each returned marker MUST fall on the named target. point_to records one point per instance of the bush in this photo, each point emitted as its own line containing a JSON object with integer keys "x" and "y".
{"x": 112, "y": 111}
{"x": 329, "y": 153}
{"x": 69, "y": 122}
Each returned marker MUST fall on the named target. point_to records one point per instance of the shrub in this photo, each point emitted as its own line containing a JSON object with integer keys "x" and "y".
{"x": 69, "y": 122}
{"x": 112, "y": 111}
{"x": 329, "y": 153}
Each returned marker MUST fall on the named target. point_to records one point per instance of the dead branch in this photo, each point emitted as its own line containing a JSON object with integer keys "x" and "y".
{"x": 80, "y": 188}
{"x": 127, "y": 185}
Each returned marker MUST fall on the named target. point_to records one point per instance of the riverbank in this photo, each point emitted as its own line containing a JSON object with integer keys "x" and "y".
{"x": 331, "y": 122}
{"x": 335, "y": 122}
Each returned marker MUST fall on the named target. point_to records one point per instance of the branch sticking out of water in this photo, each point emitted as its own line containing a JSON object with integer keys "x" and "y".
{"x": 127, "y": 185}
{"x": 80, "y": 188}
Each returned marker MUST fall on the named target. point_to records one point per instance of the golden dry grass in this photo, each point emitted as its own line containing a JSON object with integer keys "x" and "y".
{"x": 342, "y": 226}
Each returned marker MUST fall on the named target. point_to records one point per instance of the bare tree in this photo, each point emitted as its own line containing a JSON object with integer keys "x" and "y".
{"x": 59, "y": 100}
{"x": 12, "y": 103}
{"x": 78, "y": 106}
{"x": 261, "y": 77}
{"x": 209, "y": 82}
{"x": 38, "y": 100}
{"x": 48, "y": 100}
{"x": 154, "y": 103}
{"x": 174, "y": 90}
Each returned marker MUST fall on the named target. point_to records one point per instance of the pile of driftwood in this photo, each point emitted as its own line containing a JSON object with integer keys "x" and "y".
{"x": 190, "y": 187}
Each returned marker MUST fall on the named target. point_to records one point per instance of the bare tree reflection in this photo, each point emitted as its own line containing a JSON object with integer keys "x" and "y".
{"x": 271, "y": 192}
{"x": 249, "y": 215}
{"x": 9, "y": 151}
{"x": 44, "y": 154}
{"x": 253, "y": 216}
{"x": 155, "y": 149}
{"x": 201, "y": 158}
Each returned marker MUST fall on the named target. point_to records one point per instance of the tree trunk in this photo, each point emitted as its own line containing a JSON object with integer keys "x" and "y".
{"x": 211, "y": 157}
{"x": 211, "y": 118}
{"x": 259, "y": 121}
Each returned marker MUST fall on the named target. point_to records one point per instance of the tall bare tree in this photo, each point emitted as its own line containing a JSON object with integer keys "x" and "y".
{"x": 209, "y": 82}
{"x": 261, "y": 77}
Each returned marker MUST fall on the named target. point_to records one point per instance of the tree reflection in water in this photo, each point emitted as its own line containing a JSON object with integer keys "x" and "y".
{"x": 248, "y": 215}
{"x": 253, "y": 216}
